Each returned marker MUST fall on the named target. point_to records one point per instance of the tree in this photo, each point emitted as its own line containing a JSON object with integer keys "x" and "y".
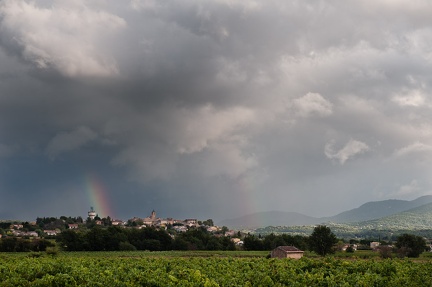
{"x": 224, "y": 230}
{"x": 71, "y": 240}
{"x": 208, "y": 222}
{"x": 385, "y": 251}
{"x": 410, "y": 245}
{"x": 322, "y": 240}
{"x": 252, "y": 242}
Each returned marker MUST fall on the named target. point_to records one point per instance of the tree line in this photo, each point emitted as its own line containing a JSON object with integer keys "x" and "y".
{"x": 322, "y": 241}
{"x": 114, "y": 238}
{"x": 147, "y": 238}
{"x": 14, "y": 244}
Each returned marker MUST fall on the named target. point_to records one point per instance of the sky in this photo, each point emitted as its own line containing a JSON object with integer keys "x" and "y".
{"x": 212, "y": 109}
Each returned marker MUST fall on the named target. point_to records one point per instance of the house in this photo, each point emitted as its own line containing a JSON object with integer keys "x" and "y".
{"x": 180, "y": 228}
{"x": 287, "y": 252}
{"x": 374, "y": 245}
{"x": 73, "y": 226}
{"x": 31, "y": 234}
{"x": 230, "y": 233}
{"x": 346, "y": 246}
{"x": 212, "y": 229}
{"x": 191, "y": 221}
{"x": 51, "y": 232}
{"x": 237, "y": 241}
{"x": 16, "y": 226}
{"x": 170, "y": 220}
{"x": 18, "y": 233}
{"x": 117, "y": 222}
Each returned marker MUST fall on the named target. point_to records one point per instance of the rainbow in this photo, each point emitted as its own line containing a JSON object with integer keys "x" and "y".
{"x": 98, "y": 197}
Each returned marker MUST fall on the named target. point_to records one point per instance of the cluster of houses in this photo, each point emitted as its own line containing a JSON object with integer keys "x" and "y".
{"x": 17, "y": 230}
{"x": 177, "y": 224}
{"x": 150, "y": 221}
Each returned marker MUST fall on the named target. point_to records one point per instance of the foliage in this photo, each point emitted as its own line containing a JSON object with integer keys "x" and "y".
{"x": 353, "y": 230}
{"x": 208, "y": 222}
{"x": 271, "y": 241}
{"x": 252, "y": 242}
{"x": 92, "y": 270}
{"x": 350, "y": 249}
{"x": 57, "y": 223}
{"x": 385, "y": 251}
{"x": 13, "y": 244}
{"x": 410, "y": 245}
{"x": 322, "y": 240}
{"x": 149, "y": 238}
{"x": 126, "y": 246}
{"x": 53, "y": 251}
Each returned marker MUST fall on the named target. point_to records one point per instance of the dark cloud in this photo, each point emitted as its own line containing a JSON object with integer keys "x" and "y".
{"x": 213, "y": 109}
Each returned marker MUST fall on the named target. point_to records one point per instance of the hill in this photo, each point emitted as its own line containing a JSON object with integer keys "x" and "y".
{"x": 378, "y": 209}
{"x": 416, "y": 218}
{"x": 274, "y": 218}
{"x": 417, "y": 221}
{"x": 367, "y": 212}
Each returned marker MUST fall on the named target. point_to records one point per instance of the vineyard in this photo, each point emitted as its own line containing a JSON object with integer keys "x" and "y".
{"x": 78, "y": 269}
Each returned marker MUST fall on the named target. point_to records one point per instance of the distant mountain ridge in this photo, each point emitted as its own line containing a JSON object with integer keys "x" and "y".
{"x": 369, "y": 211}
{"x": 377, "y": 209}
{"x": 274, "y": 218}
{"x": 416, "y": 218}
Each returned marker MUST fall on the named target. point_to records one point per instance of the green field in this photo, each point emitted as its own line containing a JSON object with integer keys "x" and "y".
{"x": 205, "y": 269}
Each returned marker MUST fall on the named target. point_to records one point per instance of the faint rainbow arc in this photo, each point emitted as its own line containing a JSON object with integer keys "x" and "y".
{"x": 98, "y": 196}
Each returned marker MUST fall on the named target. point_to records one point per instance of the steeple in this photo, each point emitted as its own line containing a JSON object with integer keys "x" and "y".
{"x": 153, "y": 215}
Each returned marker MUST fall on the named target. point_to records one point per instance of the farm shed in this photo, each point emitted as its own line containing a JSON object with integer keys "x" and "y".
{"x": 287, "y": 252}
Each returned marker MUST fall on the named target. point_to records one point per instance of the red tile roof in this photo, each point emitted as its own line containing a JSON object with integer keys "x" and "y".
{"x": 289, "y": 249}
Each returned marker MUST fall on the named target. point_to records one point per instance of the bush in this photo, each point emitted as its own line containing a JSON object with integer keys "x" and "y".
{"x": 53, "y": 251}
{"x": 385, "y": 251}
{"x": 350, "y": 249}
{"x": 126, "y": 246}
{"x": 35, "y": 255}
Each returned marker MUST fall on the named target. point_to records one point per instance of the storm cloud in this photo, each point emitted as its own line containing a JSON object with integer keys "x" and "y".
{"x": 213, "y": 109}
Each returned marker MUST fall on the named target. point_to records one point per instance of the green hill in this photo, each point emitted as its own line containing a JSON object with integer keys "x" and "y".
{"x": 417, "y": 221}
{"x": 413, "y": 219}
{"x": 274, "y": 218}
{"x": 378, "y": 209}
{"x": 370, "y": 212}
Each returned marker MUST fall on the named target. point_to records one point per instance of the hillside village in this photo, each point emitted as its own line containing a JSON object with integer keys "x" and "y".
{"x": 50, "y": 227}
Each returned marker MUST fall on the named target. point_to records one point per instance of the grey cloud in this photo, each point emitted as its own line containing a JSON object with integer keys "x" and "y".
{"x": 218, "y": 101}
{"x": 178, "y": 133}
{"x": 408, "y": 189}
{"x": 351, "y": 149}
{"x": 312, "y": 104}
{"x": 416, "y": 147}
{"x": 68, "y": 141}
{"x": 65, "y": 37}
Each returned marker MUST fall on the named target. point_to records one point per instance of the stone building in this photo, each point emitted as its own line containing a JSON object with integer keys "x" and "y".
{"x": 287, "y": 252}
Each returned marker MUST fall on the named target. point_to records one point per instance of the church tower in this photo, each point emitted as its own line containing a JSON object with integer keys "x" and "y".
{"x": 153, "y": 215}
{"x": 92, "y": 213}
